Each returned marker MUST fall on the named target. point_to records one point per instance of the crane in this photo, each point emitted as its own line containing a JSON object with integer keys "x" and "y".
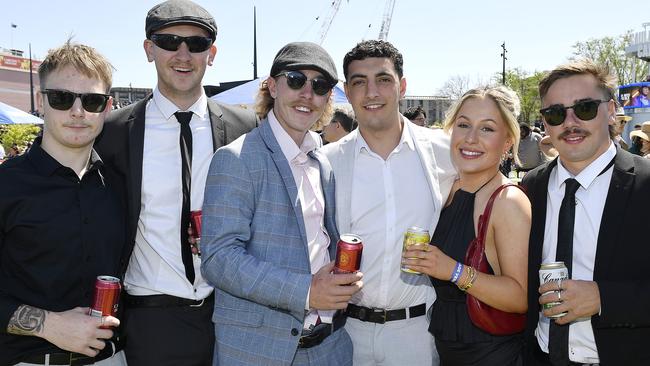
{"x": 385, "y": 23}
{"x": 327, "y": 22}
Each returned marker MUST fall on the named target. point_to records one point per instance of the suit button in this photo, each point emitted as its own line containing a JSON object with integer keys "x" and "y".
{"x": 294, "y": 332}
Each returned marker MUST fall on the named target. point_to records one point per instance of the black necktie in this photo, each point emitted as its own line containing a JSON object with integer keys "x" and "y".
{"x": 558, "y": 344}
{"x": 186, "y": 167}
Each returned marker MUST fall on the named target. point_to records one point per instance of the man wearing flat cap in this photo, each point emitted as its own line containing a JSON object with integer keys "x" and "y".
{"x": 269, "y": 236}
{"x": 163, "y": 146}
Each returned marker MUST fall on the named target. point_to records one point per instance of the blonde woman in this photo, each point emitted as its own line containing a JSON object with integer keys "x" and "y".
{"x": 483, "y": 126}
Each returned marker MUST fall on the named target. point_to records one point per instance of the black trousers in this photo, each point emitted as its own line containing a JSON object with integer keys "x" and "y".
{"x": 170, "y": 336}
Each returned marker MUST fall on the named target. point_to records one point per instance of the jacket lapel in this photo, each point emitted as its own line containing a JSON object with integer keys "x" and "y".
{"x": 135, "y": 125}
{"x": 612, "y": 222}
{"x": 217, "y": 124}
{"x": 428, "y": 161}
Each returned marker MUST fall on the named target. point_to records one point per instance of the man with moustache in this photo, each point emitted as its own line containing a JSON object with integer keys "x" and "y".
{"x": 390, "y": 175}
{"x": 269, "y": 235}
{"x": 62, "y": 222}
{"x": 163, "y": 144}
{"x": 584, "y": 204}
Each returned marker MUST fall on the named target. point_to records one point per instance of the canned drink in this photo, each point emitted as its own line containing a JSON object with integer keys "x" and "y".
{"x": 553, "y": 271}
{"x": 414, "y": 236}
{"x": 195, "y": 222}
{"x": 348, "y": 254}
{"x": 106, "y": 297}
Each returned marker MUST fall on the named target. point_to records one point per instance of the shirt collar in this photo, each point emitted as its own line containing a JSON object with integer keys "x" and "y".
{"x": 289, "y": 147}
{"x": 167, "y": 108}
{"x": 47, "y": 165}
{"x": 587, "y": 176}
{"x": 405, "y": 139}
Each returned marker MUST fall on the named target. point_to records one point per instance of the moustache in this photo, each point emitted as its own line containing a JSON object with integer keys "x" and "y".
{"x": 574, "y": 131}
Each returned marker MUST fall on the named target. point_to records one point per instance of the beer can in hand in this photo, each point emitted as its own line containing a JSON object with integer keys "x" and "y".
{"x": 106, "y": 297}
{"x": 553, "y": 271}
{"x": 348, "y": 254}
{"x": 414, "y": 236}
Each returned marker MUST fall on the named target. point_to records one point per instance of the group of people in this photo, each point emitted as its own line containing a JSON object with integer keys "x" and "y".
{"x": 112, "y": 193}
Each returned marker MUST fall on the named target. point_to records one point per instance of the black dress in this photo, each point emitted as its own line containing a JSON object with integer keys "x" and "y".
{"x": 458, "y": 341}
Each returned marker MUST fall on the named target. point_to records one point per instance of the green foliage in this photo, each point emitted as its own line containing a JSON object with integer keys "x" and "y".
{"x": 18, "y": 134}
{"x": 610, "y": 51}
{"x": 525, "y": 84}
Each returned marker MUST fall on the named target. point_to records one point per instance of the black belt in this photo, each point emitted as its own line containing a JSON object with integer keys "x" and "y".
{"x": 164, "y": 301}
{"x": 382, "y": 316}
{"x": 316, "y": 336}
{"x": 75, "y": 359}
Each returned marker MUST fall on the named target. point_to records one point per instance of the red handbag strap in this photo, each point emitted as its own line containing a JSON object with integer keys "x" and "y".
{"x": 484, "y": 219}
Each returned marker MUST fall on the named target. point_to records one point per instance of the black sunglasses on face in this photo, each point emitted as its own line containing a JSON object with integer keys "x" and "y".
{"x": 171, "y": 42}
{"x": 586, "y": 110}
{"x": 296, "y": 80}
{"x": 63, "y": 100}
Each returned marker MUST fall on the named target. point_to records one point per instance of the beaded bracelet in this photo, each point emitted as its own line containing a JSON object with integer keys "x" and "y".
{"x": 457, "y": 272}
{"x": 473, "y": 275}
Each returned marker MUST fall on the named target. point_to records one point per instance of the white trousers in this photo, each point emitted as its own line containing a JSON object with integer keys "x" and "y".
{"x": 117, "y": 360}
{"x": 394, "y": 343}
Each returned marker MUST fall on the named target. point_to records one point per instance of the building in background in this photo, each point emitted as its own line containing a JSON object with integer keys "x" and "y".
{"x": 434, "y": 106}
{"x": 14, "y": 78}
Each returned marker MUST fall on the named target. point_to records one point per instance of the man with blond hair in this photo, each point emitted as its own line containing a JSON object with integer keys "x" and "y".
{"x": 61, "y": 223}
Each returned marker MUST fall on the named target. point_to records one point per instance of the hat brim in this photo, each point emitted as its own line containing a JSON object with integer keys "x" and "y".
{"x": 640, "y": 134}
{"x": 624, "y": 118}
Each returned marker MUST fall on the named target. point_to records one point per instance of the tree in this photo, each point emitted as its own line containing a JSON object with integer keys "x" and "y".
{"x": 525, "y": 85}
{"x": 610, "y": 52}
{"x": 18, "y": 134}
{"x": 455, "y": 87}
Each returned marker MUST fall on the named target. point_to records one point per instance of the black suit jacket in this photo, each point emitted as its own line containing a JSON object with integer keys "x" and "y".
{"x": 121, "y": 145}
{"x": 622, "y": 330}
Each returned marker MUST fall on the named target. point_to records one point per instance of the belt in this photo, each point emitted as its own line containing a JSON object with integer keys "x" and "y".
{"x": 164, "y": 301}
{"x": 382, "y": 316}
{"x": 316, "y": 336}
{"x": 75, "y": 359}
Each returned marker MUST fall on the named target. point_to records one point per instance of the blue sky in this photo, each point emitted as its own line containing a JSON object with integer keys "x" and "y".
{"x": 438, "y": 39}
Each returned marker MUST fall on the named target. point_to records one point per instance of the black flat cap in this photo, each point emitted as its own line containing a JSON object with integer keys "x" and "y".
{"x": 177, "y": 12}
{"x": 305, "y": 56}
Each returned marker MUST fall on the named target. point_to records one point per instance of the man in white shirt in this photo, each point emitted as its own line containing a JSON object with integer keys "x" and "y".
{"x": 269, "y": 234}
{"x": 586, "y": 205}
{"x": 163, "y": 146}
{"x": 390, "y": 175}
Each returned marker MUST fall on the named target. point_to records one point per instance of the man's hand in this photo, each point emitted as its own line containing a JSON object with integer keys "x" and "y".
{"x": 580, "y": 299}
{"x": 72, "y": 330}
{"x": 331, "y": 291}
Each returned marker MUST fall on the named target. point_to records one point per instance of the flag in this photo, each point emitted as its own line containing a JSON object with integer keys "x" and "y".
{"x": 13, "y": 25}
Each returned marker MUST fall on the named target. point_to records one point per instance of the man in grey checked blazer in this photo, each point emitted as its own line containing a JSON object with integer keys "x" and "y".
{"x": 269, "y": 232}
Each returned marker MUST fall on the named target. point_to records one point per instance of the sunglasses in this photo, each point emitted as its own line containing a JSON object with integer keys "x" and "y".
{"x": 171, "y": 42}
{"x": 586, "y": 110}
{"x": 63, "y": 100}
{"x": 296, "y": 80}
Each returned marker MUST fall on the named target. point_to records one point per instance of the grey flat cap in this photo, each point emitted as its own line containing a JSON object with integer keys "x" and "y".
{"x": 305, "y": 55}
{"x": 177, "y": 12}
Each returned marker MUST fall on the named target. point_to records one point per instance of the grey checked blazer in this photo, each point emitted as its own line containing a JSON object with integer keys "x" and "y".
{"x": 254, "y": 251}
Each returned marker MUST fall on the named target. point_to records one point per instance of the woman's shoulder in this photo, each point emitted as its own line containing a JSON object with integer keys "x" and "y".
{"x": 511, "y": 203}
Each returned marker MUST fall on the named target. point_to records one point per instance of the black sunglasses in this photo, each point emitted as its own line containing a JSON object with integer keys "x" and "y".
{"x": 586, "y": 110}
{"x": 63, "y": 100}
{"x": 171, "y": 42}
{"x": 296, "y": 80}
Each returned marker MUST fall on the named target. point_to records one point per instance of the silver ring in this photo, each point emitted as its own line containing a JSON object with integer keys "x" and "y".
{"x": 101, "y": 321}
{"x": 559, "y": 295}
{"x": 559, "y": 284}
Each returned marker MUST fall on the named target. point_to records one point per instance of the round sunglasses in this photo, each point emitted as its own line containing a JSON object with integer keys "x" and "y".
{"x": 63, "y": 100}
{"x": 296, "y": 80}
{"x": 586, "y": 110}
{"x": 171, "y": 42}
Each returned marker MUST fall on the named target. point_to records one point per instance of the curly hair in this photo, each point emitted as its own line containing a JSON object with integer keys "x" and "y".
{"x": 374, "y": 48}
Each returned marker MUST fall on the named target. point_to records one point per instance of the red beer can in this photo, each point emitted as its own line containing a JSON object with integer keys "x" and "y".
{"x": 195, "y": 223}
{"x": 348, "y": 254}
{"x": 106, "y": 297}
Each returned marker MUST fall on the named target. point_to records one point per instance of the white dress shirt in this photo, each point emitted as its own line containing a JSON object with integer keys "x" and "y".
{"x": 306, "y": 174}
{"x": 156, "y": 266}
{"x": 590, "y": 202}
{"x": 388, "y": 197}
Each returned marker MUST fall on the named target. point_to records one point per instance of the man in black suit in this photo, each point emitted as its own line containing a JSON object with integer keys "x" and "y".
{"x": 588, "y": 210}
{"x": 163, "y": 145}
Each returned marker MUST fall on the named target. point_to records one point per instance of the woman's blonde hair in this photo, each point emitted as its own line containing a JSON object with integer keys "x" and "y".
{"x": 507, "y": 103}
{"x": 264, "y": 103}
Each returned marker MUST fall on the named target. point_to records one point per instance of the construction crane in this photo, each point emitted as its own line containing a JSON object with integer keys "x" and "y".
{"x": 385, "y": 23}
{"x": 327, "y": 22}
